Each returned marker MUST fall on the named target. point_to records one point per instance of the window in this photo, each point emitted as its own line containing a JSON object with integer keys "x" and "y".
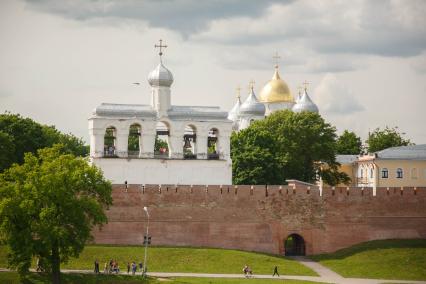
{"x": 414, "y": 173}
{"x": 371, "y": 173}
{"x": 399, "y": 173}
{"x": 385, "y": 173}
{"x": 361, "y": 173}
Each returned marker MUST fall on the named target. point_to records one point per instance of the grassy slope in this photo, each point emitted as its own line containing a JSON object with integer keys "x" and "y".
{"x": 386, "y": 259}
{"x": 184, "y": 260}
{"x": 12, "y": 278}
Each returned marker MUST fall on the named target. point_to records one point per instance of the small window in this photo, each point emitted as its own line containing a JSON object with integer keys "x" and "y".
{"x": 399, "y": 173}
{"x": 371, "y": 173}
{"x": 385, "y": 173}
{"x": 414, "y": 173}
{"x": 361, "y": 173}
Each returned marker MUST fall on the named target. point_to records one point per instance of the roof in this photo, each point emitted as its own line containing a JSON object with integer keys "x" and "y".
{"x": 197, "y": 112}
{"x": 346, "y": 159}
{"x": 412, "y": 152}
{"x": 205, "y": 113}
{"x": 127, "y": 110}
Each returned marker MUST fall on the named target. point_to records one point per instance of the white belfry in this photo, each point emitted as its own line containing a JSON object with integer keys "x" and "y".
{"x": 161, "y": 143}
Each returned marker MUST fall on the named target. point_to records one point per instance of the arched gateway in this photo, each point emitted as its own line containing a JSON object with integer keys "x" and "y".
{"x": 294, "y": 245}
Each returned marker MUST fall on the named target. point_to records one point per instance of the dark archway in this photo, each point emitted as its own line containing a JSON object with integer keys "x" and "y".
{"x": 294, "y": 245}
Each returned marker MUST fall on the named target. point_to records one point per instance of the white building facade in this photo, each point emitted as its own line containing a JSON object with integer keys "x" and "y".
{"x": 161, "y": 143}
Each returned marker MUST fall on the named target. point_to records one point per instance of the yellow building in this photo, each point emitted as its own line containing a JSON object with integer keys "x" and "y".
{"x": 396, "y": 166}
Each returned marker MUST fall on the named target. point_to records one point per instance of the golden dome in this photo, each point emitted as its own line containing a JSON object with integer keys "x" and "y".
{"x": 276, "y": 90}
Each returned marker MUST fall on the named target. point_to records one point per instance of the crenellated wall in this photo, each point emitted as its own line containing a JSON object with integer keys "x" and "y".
{"x": 259, "y": 218}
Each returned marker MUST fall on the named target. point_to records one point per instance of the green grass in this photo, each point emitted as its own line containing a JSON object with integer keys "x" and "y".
{"x": 197, "y": 260}
{"x": 385, "y": 259}
{"x": 33, "y": 278}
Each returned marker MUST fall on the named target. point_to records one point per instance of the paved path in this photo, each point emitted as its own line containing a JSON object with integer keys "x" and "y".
{"x": 325, "y": 275}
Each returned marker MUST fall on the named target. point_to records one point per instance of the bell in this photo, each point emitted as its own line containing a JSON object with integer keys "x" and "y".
{"x": 187, "y": 144}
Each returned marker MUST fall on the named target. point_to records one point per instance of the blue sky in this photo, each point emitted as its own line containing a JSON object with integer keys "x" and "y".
{"x": 365, "y": 60}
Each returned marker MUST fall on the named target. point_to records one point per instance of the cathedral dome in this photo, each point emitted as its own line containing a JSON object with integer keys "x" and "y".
{"x": 235, "y": 111}
{"x": 276, "y": 90}
{"x": 252, "y": 106}
{"x": 305, "y": 103}
{"x": 160, "y": 76}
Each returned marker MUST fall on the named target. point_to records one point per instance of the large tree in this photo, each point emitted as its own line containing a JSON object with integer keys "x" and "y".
{"x": 348, "y": 144}
{"x": 29, "y": 136}
{"x": 389, "y": 137}
{"x": 285, "y": 145}
{"x": 48, "y": 207}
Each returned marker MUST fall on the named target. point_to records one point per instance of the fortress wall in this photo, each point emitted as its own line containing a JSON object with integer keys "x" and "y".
{"x": 259, "y": 218}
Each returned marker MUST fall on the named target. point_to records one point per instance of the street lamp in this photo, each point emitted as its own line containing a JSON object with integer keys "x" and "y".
{"x": 146, "y": 241}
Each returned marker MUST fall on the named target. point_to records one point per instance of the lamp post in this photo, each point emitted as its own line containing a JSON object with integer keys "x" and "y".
{"x": 146, "y": 241}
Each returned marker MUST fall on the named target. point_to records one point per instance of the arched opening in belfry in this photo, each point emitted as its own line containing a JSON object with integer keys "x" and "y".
{"x": 189, "y": 142}
{"x": 110, "y": 142}
{"x": 212, "y": 144}
{"x": 294, "y": 245}
{"x": 134, "y": 145}
{"x": 161, "y": 147}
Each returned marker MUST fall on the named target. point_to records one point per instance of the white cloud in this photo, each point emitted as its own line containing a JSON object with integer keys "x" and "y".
{"x": 335, "y": 98}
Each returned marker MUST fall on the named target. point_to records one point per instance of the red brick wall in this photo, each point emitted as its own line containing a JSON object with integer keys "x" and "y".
{"x": 257, "y": 219}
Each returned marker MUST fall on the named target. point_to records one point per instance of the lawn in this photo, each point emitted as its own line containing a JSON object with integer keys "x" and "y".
{"x": 13, "y": 278}
{"x": 385, "y": 259}
{"x": 197, "y": 260}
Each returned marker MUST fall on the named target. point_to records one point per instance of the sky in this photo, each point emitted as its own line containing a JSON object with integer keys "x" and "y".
{"x": 365, "y": 60}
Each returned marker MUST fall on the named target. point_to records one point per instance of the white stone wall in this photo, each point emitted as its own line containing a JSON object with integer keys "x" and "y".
{"x": 165, "y": 171}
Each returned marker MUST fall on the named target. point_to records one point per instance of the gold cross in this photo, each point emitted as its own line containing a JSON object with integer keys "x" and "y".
{"x": 251, "y": 85}
{"x": 276, "y": 57}
{"x": 161, "y": 46}
{"x": 305, "y": 84}
{"x": 238, "y": 92}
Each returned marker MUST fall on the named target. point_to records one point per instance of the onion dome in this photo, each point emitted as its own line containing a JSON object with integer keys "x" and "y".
{"x": 160, "y": 76}
{"x": 276, "y": 90}
{"x": 235, "y": 111}
{"x": 305, "y": 103}
{"x": 252, "y": 106}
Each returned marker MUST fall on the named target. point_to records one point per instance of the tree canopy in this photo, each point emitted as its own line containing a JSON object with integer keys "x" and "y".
{"x": 29, "y": 136}
{"x": 48, "y": 207}
{"x": 285, "y": 145}
{"x": 348, "y": 144}
{"x": 389, "y": 137}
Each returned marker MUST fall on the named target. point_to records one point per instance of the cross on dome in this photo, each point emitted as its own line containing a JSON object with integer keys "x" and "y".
{"x": 251, "y": 85}
{"x": 305, "y": 85}
{"x": 276, "y": 57}
{"x": 161, "y": 46}
{"x": 238, "y": 89}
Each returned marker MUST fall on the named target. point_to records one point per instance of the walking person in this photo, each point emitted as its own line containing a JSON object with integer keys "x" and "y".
{"x": 141, "y": 267}
{"x": 128, "y": 267}
{"x": 96, "y": 267}
{"x": 126, "y": 185}
{"x": 276, "y": 271}
{"x": 134, "y": 267}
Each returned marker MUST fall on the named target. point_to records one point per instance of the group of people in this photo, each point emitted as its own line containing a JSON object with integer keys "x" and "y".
{"x": 113, "y": 267}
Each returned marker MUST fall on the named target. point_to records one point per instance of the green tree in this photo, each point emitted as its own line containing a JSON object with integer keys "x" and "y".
{"x": 389, "y": 137}
{"x": 285, "y": 145}
{"x": 7, "y": 150}
{"x": 29, "y": 136}
{"x": 253, "y": 157}
{"x": 48, "y": 207}
{"x": 348, "y": 144}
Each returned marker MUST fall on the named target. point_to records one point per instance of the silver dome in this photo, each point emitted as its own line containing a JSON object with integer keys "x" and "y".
{"x": 235, "y": 111}
{"x": 252, "y": 106}
{"x": 305, "y": 104}
{"x": 160, "y": 76}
